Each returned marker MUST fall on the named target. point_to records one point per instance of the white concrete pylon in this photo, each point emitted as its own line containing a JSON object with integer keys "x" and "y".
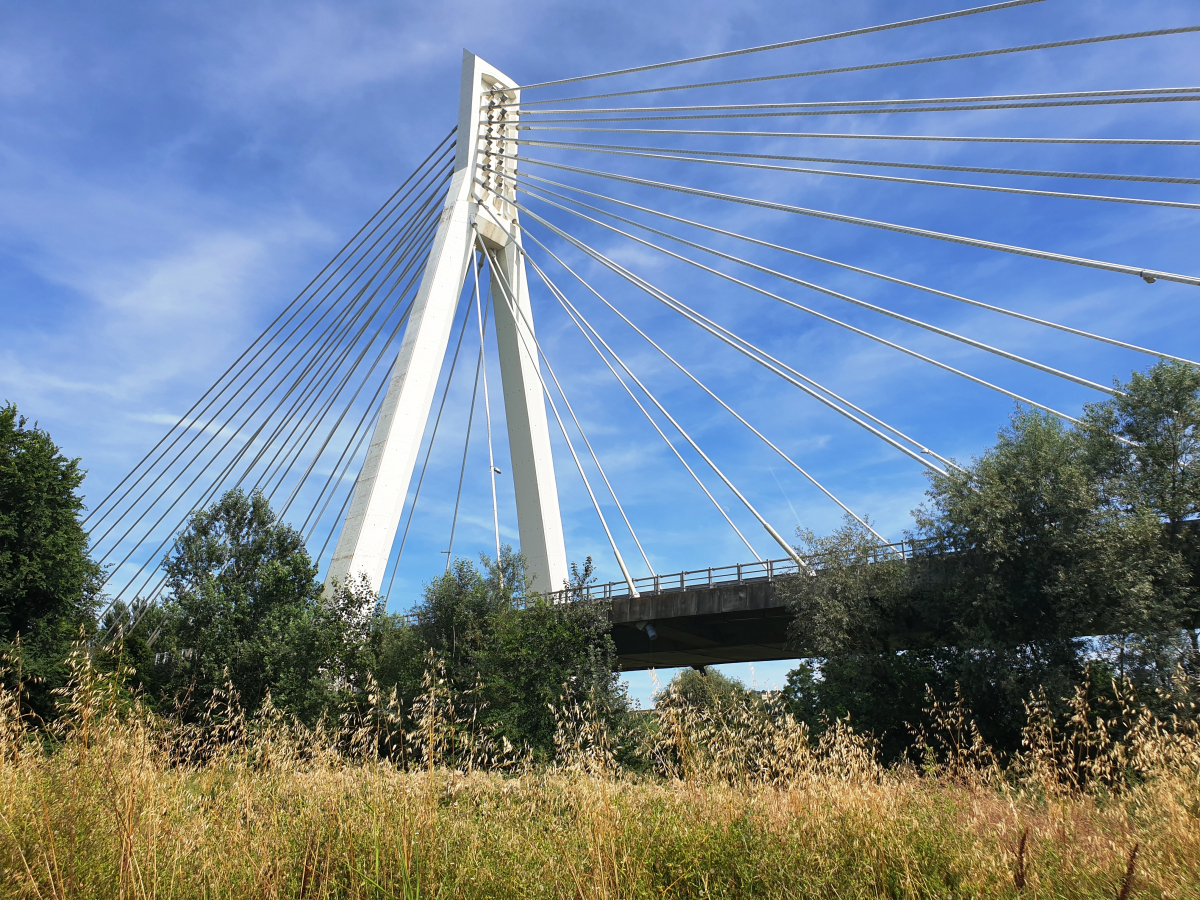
{"x": 367, "y": 534}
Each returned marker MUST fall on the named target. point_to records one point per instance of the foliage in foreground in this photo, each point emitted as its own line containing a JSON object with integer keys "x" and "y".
{"x": 48, "y": 584}
{"x": 740, "y": 801}
{"x": 1052, "y": 534}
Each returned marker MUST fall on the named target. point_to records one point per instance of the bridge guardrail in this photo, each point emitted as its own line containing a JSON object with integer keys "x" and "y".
{"x": 690, "y": 579}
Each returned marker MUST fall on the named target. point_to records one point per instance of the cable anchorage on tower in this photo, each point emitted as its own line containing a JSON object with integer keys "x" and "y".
{"x": 496, "y": 152}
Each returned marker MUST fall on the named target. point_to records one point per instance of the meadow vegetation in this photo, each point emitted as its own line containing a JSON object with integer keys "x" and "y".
{"x": 952, "y": 731}
{"x": 727, "y": 796}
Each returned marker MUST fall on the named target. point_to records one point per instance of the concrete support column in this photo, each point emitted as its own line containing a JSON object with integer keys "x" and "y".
{"x": 528, "y": 431}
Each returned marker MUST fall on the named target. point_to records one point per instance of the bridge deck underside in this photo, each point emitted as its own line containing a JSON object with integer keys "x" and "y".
{"x": 701, "y": 626}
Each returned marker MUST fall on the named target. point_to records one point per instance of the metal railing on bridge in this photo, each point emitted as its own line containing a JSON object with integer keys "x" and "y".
{"x": 699, "y": 579}
{"x": 713, "y": 576}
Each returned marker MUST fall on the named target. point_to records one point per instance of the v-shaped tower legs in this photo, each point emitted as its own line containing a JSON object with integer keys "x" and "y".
{"x": 365, "y": 542}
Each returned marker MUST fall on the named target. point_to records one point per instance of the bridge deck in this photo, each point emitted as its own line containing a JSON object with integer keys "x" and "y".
{"x": 701, "y": 626}
{"x": 700, "y": 617}
{"x": 704, "y": 616}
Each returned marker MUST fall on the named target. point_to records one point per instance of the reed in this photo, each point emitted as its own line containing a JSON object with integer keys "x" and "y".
{"x": 731, "y": 799}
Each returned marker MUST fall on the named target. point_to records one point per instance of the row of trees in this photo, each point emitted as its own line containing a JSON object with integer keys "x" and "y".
{"x": 244, "y": 608}
{"x": 1054, "y": 534}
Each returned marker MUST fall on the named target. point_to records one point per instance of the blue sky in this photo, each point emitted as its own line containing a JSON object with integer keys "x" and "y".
{"x": 172, "y": 174}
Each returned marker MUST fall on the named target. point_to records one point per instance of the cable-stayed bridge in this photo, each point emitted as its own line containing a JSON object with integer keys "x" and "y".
{"x": 585, "y": 207}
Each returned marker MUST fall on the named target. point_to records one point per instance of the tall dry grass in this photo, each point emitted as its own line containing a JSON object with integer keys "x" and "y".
{"x": 737, "y": 800}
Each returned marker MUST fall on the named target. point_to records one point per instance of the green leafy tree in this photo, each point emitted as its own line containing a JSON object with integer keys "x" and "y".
{"x": 49, "y": 586}
{"x": 707, "y": 688}
{"x": 245, "y": 606}
{"x": 1145, "y": 443}
{"x": 858, "y": 598}
{"x": 1051, "y": 534}
{"x": 523, "y": 654}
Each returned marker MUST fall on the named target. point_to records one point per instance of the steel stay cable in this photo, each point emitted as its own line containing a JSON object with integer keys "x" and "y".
{"x": 595, "y": 459}
{"x": 313, "y": 356}
{"x": 344, "y": 460}
{"x": 772, "y": 363}
{"x": 912, "y": 284}
{"x": 315, "y": 351}
{"x": 345, "y": 411}
{"x": 347, "y": 456}
{"x": 687, "y": 312}
{"x": 939, "y": 167}
{"x": 415, "y": 259}
{"x": 801, "y": 170}
{"x": 896, "y": 101}
{"x": 1143, "y": 273}
{"x": 233, "y": 435}
{"x": 314, "y": 387}
{"x": 871, "y": 29}
{"x": 409, "y": 253}
{"x": 881, "y": 110}
{"x": 466, "y": 446}
{"x": 211, "y": 491}
{"x": 572, "y": 315}
{"x": 884, "y": 65}
{"x": 281, "y": 343}
{"x": 266, "y": 331}
{"x": 649, "y": 418}
{"x": 534, "y": 352}
{"x": 209, "y": 494}
{"x": 433, "y": 437}
{"x": 341, "y": 517}
{"x": 801, "y": 282}
{"x": 971, "y": 342}
{"x": 727, "y": 335}
{"x": 487, "y": 409}
{"x": 680, "y": 307}
{"x": 403, "y": 291}
{"x": 300, "y": 345}
{"x": 696, "y": 447}
{"x": 405, "y": 247}
{"x": 118, "y": 625}
{"x": 850, "y": 136}
{"x": 740, "y": 344}
{"x": 723, "y": 404}
{"x": 361, "y": 432}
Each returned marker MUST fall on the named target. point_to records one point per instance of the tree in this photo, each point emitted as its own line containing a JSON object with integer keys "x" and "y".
{"x": 245, "y": 606}
{"x": 858, "y": 598}
{"x": 49, "y": 586}
{"x": 1145, "y": 443}
{"x": 707, "y": 688}
{"x": 520, "y": 654}
{"x": 1052, "y": 534}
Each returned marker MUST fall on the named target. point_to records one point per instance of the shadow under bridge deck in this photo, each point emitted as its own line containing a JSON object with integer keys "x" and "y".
{"x": 701, "y": 625}
{"x": 700, "y": 618}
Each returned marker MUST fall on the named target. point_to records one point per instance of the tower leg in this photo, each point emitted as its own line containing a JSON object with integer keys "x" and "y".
{"x": 366, "y": 538}
{"x": 528, "y": 432}
{"x": 365, "y": 542}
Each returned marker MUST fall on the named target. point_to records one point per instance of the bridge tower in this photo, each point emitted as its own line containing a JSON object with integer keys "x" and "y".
{"x": 478, "y": 207}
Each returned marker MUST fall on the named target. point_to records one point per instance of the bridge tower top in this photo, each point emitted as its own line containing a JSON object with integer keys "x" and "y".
{"x": 478, "y": 217}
